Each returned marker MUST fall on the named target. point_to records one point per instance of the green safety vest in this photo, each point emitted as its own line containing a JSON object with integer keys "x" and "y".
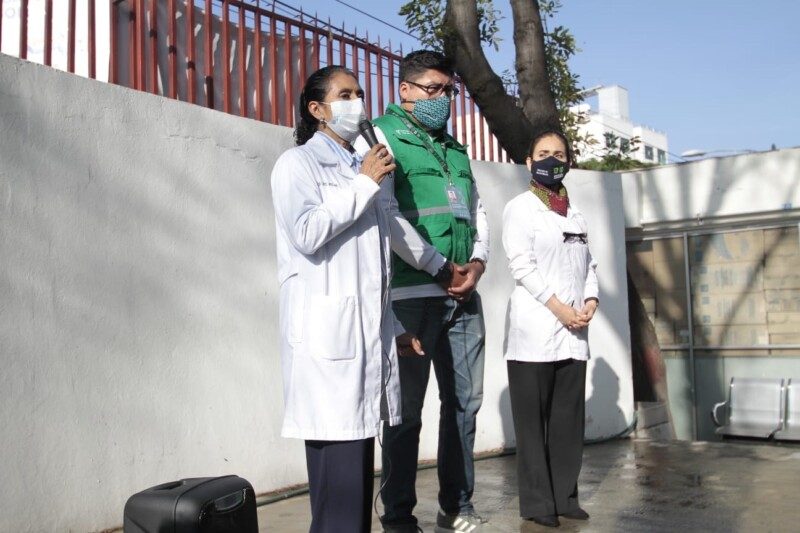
{"x": 420, "y": 187}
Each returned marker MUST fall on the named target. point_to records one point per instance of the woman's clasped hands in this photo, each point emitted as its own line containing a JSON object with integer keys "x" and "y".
{"x": 571, "y": 318}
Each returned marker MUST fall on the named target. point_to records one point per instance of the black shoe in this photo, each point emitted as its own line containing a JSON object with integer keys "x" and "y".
{"x": 576, "y": 514}
{"x": 548, "y": 520}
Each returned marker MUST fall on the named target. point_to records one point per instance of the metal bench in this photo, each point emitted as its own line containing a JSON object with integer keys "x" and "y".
{"x": 791, "y": 427}
{"x": 755, "y": 408}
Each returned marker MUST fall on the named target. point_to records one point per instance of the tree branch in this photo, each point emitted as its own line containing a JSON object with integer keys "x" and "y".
{"x": 462, "y": 44}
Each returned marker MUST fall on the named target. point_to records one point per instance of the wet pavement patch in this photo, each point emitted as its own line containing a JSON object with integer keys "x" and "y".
{"x": 628, "y": 485}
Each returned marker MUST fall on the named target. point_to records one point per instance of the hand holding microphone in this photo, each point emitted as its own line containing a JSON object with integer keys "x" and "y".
{"x": 378, "y": 162}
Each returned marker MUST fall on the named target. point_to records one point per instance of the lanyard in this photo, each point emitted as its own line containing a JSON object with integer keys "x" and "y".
{"x": 428, "y": 145}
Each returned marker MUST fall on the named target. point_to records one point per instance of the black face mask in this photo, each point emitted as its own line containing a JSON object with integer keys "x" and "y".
{"x": 549, "y": 172}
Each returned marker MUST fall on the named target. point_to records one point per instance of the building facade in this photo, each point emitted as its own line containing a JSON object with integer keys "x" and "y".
{"x": 612, "y": 116}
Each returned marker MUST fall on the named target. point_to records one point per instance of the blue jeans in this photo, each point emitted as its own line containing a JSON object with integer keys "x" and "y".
{"x": 453, "y": 337}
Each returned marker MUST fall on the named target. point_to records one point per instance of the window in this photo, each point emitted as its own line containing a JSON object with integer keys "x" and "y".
{"x": 743, "y": 289}
{"x": 648, "y": 152}
{"x": 624, "y": 145}
{"x": 662, "y": 157}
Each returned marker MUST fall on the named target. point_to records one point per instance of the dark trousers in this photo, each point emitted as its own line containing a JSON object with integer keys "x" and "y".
{"x": 453, "y": 337}
{"x": 340, "y": 481}
{"x": 547, "y": 404}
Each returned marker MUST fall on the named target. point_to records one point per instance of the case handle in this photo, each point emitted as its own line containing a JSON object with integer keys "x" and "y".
{"x": 231, "y": 502}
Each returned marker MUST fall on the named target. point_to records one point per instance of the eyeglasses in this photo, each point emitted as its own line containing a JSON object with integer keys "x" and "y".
{"x": 436, "y": 88}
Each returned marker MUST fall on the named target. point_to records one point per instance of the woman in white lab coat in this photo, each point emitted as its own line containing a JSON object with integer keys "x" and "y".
{"x": 338, "y": 332}
{"x": 556, "y": 295}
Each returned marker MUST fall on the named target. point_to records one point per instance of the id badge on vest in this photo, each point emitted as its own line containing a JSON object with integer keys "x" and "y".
{"x": 457, "y": 203}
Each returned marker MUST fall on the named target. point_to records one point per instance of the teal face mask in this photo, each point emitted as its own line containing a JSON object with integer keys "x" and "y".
{"x": 433, "y": 113}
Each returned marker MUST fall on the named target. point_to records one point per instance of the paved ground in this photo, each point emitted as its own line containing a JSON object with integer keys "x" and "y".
{"x": 629, "y": 485}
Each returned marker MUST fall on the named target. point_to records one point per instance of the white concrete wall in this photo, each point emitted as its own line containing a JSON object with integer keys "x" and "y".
{"x": 609, "y": 392}
{"x": 714, "y": 188}
{"x": 138, "y": 300}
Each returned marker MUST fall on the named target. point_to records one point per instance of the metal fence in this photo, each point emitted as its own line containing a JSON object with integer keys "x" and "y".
{"x": 248, "y": 58}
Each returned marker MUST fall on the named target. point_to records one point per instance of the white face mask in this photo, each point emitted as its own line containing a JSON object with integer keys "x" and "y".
{"x": 346, "y": 114}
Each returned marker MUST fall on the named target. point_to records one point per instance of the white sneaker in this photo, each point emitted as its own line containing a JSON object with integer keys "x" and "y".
{"x": 463, "y": 523}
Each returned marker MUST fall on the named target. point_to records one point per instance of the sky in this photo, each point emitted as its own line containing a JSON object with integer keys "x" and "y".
{"x": 713, "y": 75}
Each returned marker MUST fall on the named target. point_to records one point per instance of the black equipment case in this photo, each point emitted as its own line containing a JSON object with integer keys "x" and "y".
{"x": 224, "y": 504}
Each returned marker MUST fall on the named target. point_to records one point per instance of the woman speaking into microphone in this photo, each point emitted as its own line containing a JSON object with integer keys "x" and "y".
{"x": 339, "y": 338}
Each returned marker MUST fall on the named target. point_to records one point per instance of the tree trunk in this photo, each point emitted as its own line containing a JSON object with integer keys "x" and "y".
{"x": 649, "y": 371}
{"x": 463, "y": 46}
{"x": 535, "y": 95}
{"x": 513, "y": 125}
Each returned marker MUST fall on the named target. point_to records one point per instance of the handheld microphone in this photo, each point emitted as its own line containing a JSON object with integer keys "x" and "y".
{"x": 368, "y": 132}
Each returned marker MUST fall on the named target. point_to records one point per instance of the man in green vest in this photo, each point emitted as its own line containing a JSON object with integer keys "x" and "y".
{"x": 440, "y": 239}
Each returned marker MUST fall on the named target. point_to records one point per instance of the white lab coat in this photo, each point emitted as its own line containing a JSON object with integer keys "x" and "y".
{"x": 543, "y": 264}
{"x": 337, "y": 329}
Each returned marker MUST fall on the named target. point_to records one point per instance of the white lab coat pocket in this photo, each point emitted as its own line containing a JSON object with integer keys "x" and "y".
{"x": 333, "y": 327}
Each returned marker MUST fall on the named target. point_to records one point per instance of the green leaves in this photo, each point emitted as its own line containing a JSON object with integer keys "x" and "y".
{"x": 488, "y": 25}
{"x": 425, "y": 18}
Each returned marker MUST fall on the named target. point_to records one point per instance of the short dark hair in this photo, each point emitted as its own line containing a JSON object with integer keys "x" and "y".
{"x": 540, "y": 134}
{"x": 416, "y": 63}
{"x": 314, "y": 90}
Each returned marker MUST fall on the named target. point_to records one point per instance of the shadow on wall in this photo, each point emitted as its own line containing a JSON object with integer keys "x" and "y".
{"x": 507, "y": 421}
{"x": 604, "y": 400}
{"x": 609, "y": 334}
